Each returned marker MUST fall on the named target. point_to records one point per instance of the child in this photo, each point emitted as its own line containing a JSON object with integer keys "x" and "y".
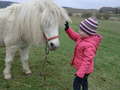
{"x": 87, "y": 42}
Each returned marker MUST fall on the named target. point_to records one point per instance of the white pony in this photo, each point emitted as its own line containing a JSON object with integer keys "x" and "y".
{"x": 25, "y": 24}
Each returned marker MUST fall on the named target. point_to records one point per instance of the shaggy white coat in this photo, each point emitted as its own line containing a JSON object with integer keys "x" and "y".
{"x": 23, "y": 24}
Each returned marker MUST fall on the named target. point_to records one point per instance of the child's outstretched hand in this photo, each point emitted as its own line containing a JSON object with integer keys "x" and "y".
{"x": 66, "y": 25}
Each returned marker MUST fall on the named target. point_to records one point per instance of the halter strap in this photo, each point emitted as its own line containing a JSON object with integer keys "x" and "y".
{"x": 54, "y": 37}
{"x": 51, "y": 38}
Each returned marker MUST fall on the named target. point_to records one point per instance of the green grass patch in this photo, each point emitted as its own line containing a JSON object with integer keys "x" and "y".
{"x": 59, "y": 73}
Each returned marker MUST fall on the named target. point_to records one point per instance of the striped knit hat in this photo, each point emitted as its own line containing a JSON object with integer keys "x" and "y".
{"x": 89, "y": 25}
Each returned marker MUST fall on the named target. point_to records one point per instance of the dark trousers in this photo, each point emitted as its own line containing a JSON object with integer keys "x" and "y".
{"x": 80, "y": 82}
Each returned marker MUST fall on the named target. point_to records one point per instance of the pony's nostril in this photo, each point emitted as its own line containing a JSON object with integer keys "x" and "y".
{"x": 52, "y": 45}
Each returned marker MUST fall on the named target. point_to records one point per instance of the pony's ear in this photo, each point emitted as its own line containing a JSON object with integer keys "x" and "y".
{"x": 64, "y": 16}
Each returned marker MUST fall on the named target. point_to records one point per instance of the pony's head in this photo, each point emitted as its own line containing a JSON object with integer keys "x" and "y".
{"x": 51, "y": 33}
{"x": 52, "y": 19}
{"x": 37, "y": 18}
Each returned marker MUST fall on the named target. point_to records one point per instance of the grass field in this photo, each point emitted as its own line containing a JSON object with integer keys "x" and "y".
{"x": 59, "y": 73}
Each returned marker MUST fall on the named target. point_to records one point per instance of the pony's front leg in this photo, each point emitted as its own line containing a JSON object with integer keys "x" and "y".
{"x": 24, "y": 53}
{"x": 10, "y": 53}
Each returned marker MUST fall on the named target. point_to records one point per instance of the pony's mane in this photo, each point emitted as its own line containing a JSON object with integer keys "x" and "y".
{"x": 28, "y": 18}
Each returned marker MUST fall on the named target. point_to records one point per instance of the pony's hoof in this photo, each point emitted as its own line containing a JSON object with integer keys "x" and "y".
{"x": 7, "y": 77}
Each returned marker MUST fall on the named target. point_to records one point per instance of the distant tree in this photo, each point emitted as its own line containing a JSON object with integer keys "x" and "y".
{"x": 117, "y": 11}
{"x": 4, "y": 4}
{"x": 109, "y": 10}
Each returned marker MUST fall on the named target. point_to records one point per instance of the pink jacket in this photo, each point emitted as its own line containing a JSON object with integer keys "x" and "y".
{"x": 84, "y": 53}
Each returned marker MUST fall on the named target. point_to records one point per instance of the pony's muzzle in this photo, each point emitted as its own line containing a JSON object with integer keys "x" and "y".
{"x": 53, "y": 45}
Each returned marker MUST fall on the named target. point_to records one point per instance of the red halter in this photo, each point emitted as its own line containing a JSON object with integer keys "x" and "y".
{"x": 54, "y": 37}
{"x": 51, "y": 38}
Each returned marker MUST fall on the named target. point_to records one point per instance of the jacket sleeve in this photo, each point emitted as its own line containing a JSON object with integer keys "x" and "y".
{"x": 73, "y": 35}
{"x": 89, "y": 55}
